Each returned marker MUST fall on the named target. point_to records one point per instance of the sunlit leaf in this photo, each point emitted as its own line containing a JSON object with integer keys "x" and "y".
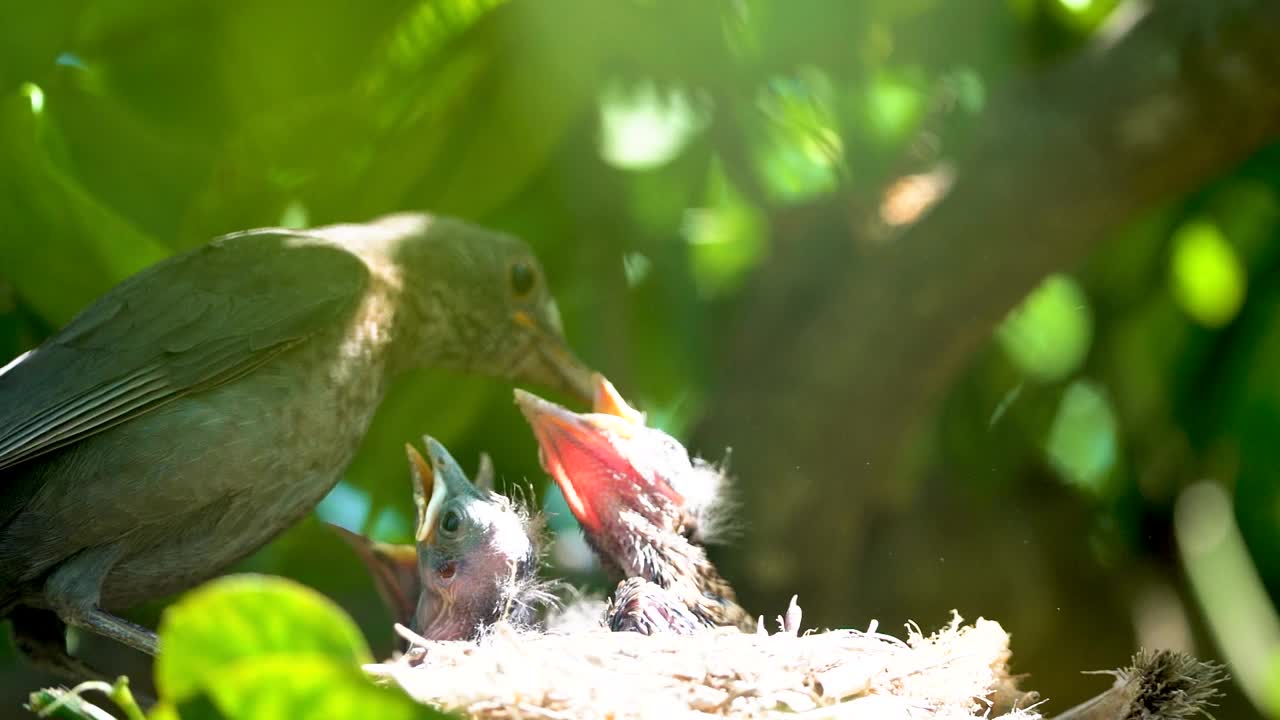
{"x": 241, "y": 617}
{"x": 1048, "y": 335}
{"x": 499, "y": 133}
{"x": 60, "y": 247}
{"x": 423, "y": 31}
{"x": 1206, "y": 275}
{"x": 305, "y": 688}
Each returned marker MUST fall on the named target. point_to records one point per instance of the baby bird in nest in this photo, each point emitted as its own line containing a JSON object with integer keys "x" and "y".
{"x": 475, "y": 560}
{"x": 645, "y": 507}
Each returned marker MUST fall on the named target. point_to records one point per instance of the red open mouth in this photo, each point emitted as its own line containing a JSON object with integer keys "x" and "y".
{"x": 589, "y": 455}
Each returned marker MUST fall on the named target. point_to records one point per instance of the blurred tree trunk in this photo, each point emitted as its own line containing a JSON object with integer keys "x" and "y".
{"x": 832, "y": 365}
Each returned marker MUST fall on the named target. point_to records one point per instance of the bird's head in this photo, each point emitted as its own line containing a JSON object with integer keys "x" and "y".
{"x": 477, "y": 552}
{"x": 621, "y": 477}
{"x": 478, "y": 301}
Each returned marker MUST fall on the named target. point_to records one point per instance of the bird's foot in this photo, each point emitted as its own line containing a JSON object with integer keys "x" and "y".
{"x": 644, "y": 607}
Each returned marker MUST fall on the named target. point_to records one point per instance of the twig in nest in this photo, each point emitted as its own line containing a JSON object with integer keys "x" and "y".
{"x": 1159, "y": 684}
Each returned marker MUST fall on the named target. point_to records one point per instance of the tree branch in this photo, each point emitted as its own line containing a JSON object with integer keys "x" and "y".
{"x": 820, "y": 403}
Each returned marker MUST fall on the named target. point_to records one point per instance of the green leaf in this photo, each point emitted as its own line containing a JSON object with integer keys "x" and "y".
{"x": 318, "y": 688}
{"x": 295, "y": 688}
{"x": 242, "y": 617}
{"x": 60, "y": 247}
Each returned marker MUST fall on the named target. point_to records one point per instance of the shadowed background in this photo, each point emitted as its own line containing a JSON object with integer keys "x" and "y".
{"x": 982, "y": 294}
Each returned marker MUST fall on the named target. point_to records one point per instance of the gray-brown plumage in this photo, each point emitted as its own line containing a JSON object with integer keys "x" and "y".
{"x": 202, "y": 406}
{"x": 646, "y": 508}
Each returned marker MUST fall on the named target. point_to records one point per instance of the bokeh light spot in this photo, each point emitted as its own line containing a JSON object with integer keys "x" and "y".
{"x": 1206, "y": 274}
{"x": 295, "y": 215}
{"x": 390, "y": 524}
{"x": 802, "y": 153}
{"x": 643, "y": 128}
{"x": 726, "y": 237}
{"x": 635, "y": 268}
{"x": 345, "y": 505}
{"x": 893, "y": 106}
{"x": 35, "y": 96}
{"x": 1082, "y": 440}
{"x": 1048, "y": 335}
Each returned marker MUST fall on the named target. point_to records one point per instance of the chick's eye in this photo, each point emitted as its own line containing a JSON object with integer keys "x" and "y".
{"x": 523, "y": 278}
{"x": 451, "y": 522}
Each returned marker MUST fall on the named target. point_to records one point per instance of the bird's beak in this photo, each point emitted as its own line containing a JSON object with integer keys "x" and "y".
{"x": 447, "y": 470}
{"x": 558, "y": 368}
{"x": 428, "y": 494}
{"x": 434, "y": 483}
{"x": 579, "y": 453}
{"x": 606, "y": 399}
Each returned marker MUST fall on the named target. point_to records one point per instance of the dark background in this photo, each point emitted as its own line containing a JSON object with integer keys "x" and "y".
{"x": 982, "y": 293}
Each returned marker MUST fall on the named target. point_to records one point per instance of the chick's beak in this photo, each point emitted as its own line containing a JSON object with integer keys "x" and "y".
{"x": 578, "y": 454}
{"x": 428, "y": 493}
{"x": 606, "y": 399}
{"x": 557, "y": 366}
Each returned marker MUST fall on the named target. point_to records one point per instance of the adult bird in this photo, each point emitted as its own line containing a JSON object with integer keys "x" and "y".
{"x": 205, "y": 404}
{"x": 646, "y": 508}
{"x": 474, "y": 561}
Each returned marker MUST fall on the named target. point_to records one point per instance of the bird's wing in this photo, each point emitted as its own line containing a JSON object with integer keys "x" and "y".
{"x": 187, "y": 324}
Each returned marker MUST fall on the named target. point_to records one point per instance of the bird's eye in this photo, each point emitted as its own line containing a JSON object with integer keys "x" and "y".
{"x": 450, "y": 522}
{"x": 523, "y": 278}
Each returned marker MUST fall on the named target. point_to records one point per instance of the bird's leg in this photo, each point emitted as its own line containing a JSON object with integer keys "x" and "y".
{"x": 42, "y": 639}
{"x": 99, "y": 621}
{"x": 72, "y": 591}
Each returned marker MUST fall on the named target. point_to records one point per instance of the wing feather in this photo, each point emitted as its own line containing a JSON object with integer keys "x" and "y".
{"x": 187, "y": 324}
{"x": 74, "y": 407}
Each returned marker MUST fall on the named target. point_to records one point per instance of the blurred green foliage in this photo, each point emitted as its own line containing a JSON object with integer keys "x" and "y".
{"x": 259, "y": 648}
{"x": 250, "y": 647}
{"x": 653, "y": 152}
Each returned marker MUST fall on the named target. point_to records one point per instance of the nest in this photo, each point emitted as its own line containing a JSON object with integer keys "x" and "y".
{"x": 960, "y": 671}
